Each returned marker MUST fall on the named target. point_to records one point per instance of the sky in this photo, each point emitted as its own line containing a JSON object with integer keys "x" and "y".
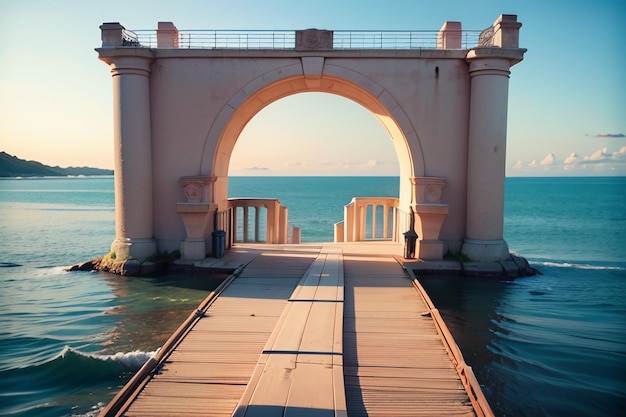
{"x": 567, "y": 98}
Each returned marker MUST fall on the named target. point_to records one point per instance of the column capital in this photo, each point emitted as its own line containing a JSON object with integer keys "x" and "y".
{"x": 498, "y": 59}
{"x": 124, "y": 61}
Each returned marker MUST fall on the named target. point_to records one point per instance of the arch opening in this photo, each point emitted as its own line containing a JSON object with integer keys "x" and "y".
{"x": 240, "y": 111}
{"x": 315, "y": 135}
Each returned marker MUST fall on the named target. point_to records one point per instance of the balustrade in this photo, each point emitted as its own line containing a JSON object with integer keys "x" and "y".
{"x": 261, "y": 220}
{"x": 371, "y": 218}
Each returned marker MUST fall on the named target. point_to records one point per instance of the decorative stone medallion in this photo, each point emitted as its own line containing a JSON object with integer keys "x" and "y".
{"x": 314, "y": 39}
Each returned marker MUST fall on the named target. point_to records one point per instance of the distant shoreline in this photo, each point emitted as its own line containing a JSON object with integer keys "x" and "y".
{"x": 14, "y": 167}
{"x": 44, "y": 177}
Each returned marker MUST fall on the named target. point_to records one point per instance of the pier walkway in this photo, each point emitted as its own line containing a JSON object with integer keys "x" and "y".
{"x": 308, "y": 330}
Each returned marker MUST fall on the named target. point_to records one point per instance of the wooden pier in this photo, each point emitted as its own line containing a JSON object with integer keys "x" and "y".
{"x": 308, "y": 330}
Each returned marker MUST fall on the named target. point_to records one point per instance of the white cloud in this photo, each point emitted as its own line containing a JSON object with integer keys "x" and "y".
{"x": 548, "y": 160}
{"x": 571, "y": 159}
{"x": 620, "y": 154}
{"x": 600, "y": 162}
{"x": 598, "y": 155}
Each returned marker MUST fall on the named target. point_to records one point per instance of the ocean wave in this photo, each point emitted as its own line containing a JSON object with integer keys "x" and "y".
{"x": 579, "y": 266}
{"x": 71, "y": 367}
{"x": 134, "y": 359}
{"x": 41, "y": 385}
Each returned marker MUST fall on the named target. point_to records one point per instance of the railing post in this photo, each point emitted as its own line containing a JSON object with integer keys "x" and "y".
{"x": 257, "y": 211}
{"x": 385, "y": 221}
{"x": 167, "y": 35}
{"x": 349, "y": 221}
{"x": 111, "y": 34}
{"x": 449, "y": 36}
{"x": 362, "y": 217}
{"x": 506, "y": 31}
{"x": 283, "y": 225}
{"x": 245, "y": 223}
{"x": 374, "y": 214}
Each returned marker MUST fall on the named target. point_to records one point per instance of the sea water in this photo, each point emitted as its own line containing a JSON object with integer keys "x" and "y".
{"x": 70, "y": 340}
{"x": 549, "y": 345}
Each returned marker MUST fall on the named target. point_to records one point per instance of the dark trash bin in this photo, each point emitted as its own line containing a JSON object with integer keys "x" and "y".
{"x": 410, "y": 238}
{"x": 219, "y": 243}
{"x": 410, "y": 243}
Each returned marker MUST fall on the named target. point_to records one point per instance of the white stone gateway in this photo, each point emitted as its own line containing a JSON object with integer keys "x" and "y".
{"x": 182, "y": 99}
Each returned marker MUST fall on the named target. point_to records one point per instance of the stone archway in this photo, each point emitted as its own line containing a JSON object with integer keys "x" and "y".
{"x": 178, "y": 113}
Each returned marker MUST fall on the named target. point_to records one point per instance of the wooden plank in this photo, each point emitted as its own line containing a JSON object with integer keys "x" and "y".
{"x": 318, "y": 333}
{"x": 292, "y": 327}
{"x": 311, "y": 393}
{"x": 395, "y": 363}
{"x": 274, "y": 383}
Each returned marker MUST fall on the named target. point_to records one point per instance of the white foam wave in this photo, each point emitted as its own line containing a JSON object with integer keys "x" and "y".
{"x": 134, "y": 359}
{"x": 581, "y": 266}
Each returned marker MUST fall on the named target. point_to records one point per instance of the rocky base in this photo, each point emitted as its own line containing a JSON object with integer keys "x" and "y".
{"x": 515, "y": 266}
{"x": 128, "y": 267}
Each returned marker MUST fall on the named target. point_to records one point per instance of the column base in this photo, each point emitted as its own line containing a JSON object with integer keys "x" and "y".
{"x": 485, "y": 250}
{"x": 136, "y": 248}
{"x": 193, "y": 249}
{"x": 430, "y": 250}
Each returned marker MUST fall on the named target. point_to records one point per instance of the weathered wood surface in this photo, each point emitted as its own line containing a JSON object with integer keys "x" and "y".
{"x": 395, "y": 363}
{"x": 310, "y": 332}
{"x": 300, "y": 371}
{"x": 208, "y": 372}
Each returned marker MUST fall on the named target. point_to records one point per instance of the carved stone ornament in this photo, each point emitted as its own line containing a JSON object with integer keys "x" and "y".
{"x": 197, "y": 188}
{"x": 428, "y": 190}
{"x": 433, "y": 193}
{"x": 193, "y": 192}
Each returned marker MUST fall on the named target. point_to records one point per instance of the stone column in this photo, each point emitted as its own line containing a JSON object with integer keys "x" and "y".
{"x": 489, "y": 70}
{"x": 130, "y": 70}
{"x": 486, "y": 160}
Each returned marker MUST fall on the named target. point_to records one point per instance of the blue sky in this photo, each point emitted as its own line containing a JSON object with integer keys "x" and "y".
{"x": 567, "y": 99}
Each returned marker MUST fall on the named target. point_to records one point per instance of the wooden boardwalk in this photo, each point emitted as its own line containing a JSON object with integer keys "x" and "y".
{"x": 307, "y": 330}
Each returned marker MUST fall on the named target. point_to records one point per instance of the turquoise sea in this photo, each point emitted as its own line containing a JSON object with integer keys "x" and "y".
{"x": 549, "y": 345}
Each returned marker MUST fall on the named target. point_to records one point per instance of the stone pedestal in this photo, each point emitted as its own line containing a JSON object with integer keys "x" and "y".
{"x": 197, "y": 214}
{"x": 198, "y": 221}
{"x": 430, "y": 219}
{"x": 431, "y": 213}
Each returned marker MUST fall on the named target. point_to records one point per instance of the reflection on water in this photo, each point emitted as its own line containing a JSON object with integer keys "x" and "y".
{"x": 556, "y": 338}
{"x": 150, "y": 309}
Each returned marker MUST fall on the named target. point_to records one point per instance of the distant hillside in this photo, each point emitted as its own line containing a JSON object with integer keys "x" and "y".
{"x": 11, "y": 166}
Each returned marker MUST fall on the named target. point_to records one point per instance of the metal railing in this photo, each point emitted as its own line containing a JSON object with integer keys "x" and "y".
{"x": 366, "y": 39}
{"x": 130, "y": 38}
{"x": 286, "y": 39}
